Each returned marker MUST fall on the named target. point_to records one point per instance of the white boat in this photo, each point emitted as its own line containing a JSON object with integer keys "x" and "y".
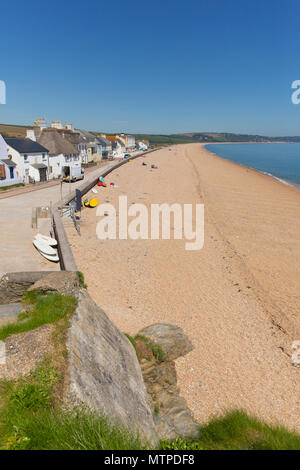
{"x": 49, "y": 240}
{"x": 53, "y": 258}
{"x": 44, "y": 248}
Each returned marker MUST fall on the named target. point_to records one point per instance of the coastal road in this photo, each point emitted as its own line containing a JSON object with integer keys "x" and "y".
{"x": 16, "y": 234}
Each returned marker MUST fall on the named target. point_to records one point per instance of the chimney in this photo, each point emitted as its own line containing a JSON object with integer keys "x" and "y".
{"x": 30, "y": 134}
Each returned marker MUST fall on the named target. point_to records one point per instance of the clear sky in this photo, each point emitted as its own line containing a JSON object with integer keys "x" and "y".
{"x": 160, "y": 66}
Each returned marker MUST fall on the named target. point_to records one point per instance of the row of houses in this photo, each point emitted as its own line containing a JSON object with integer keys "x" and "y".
{"x": 47, "y": 152}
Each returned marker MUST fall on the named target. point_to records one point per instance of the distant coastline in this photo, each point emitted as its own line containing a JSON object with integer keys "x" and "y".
{"x": 267, "y": 171}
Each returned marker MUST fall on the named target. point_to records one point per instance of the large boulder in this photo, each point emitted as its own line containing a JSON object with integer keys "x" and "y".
{"x": 171, "y": 338}
{"x": 13, "y": 285}
{"x": 64, "y": 282}
{"x": 172, "y": 416}
{"x": 104, "y": 372}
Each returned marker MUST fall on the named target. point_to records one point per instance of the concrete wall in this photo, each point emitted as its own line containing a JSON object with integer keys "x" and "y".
{"x": 13, "y": 285}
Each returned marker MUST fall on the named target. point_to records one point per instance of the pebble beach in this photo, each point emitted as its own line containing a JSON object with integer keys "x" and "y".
{"x": 237, "y": 299}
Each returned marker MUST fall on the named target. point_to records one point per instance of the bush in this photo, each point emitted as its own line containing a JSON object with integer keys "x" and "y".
{"x": 180, "y": 444}
{"x": 31, "y": 397}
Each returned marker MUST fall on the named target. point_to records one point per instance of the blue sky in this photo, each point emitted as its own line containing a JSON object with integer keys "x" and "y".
{"x": 152, "y": 66}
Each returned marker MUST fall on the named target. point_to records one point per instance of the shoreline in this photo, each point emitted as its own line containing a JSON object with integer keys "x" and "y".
{"x": 270, "y": 175}
{"x": 236, "y": 299}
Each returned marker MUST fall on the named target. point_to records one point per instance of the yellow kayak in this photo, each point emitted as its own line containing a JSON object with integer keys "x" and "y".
{"x": 94, "y": 202}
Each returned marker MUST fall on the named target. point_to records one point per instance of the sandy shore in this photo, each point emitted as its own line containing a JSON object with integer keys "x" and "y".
{"x": 237, "y": 299}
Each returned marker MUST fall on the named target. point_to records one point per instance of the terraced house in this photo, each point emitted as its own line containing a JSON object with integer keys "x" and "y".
{"x": 94, "y": 146}
{"x": 62, "y": 153}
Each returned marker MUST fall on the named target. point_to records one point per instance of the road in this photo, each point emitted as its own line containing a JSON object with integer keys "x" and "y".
{"x": 16, "y": 234}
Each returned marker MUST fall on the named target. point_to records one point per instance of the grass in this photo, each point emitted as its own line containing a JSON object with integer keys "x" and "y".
{"x": 4, "y": 188}
{"x": 238, "y": 431}
{"x": 30, "y": 420}
{"x": 81, "y": 280}
{"x": 155, "y": 348}
{"x": 32, "y": 417}
{"x": 46, "y": 309}
{"x": 131, "y": 339}
{"x": 63, "y": 430}
{"x": 31, "y": 412}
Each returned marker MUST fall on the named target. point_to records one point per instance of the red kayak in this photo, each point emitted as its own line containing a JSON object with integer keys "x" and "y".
{"x": 101, "y": 184}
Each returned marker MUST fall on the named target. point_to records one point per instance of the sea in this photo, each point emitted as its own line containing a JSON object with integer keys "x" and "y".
{"x": 280, "y": 160}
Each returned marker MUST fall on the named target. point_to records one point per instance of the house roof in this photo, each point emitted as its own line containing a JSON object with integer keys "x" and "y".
{"x": 120, "y": 142}
{"x": 26, "y": 145}
{"x": 56, "y": 143}
{"x": 111, "y": 138}
{"x": 86, "y": 136}
{"x": 8, "y": 162}
{"x": 103, "y": 140}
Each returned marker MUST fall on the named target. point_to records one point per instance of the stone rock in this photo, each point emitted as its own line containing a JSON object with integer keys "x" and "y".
{"x": 175, "y": 420}
{"x": 171, "y": 338}
{"x": 171, "y": 415}
{"x": 104, "y": 372}
{"x": 64, "y": 282}
{"x": 13, "y": 285}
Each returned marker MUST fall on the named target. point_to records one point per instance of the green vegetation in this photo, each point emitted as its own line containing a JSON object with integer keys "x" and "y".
{"x": 132, "y": 340}
{"x": 32, "y": 416}
{"x": 155, "y": 348}
{"x": 162, "y": 139}
{"x": 30, "y": 420}
{"x": 81, "y": 280}
{"x": 237, "y": 431}
{"x": 180, "y": 444}
{"x": 4, "y": 188}
{"x": 45, "y": 309}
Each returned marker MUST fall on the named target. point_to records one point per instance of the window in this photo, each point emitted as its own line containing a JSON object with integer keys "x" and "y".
{"x": 25, "y": 157}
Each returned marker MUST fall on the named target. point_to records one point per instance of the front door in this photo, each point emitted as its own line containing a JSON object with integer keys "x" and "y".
{"x": 11, "y": 172}
{"x": 43, "y": 174}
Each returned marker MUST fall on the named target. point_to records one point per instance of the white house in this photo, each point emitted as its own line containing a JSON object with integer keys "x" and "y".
{"x": 31, "y": 159}
{"x": 128, "y": 140}
{"x": 7, "y": 167}
{"x": 118, "y": 148}
{"x": 62, "y": 153}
